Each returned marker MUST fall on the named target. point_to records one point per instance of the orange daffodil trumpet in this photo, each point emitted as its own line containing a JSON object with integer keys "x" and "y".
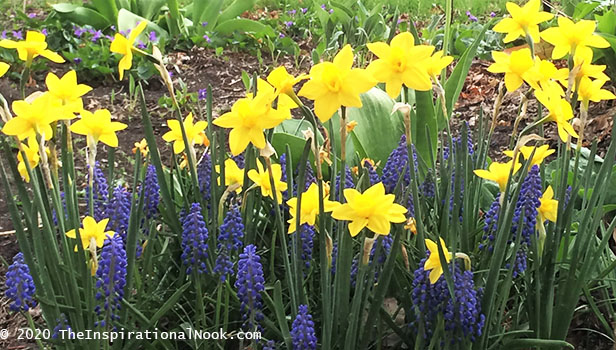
{"x": 33, "y": 46}
{"x": 125, "y": 46}
{"x": 336, "y": 84}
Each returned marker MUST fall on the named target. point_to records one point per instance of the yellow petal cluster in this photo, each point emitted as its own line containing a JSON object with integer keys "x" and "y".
{"x": 97, "y": 127}
{"x": 524, "y": 21}
{"x": 433, "y": 263}
{"x": 67, "y": 91}
{"x": 261, "y": 178}
{"x": 573, "y": 38}
{"x": 309, "y": 208}
{"x": 336, "y": 84}
{"x": 372, "y": 209}
{"x": 33, "y": 117}
{"x": 499, "y": 173}
{"x": 32, "y": 155}
{"x": 125, "y": 46}
{"x": 33, "y": 46}
{"x": 194, "y": 133}
{"x": 549, "y": 207}
{"x": 93, "y": 233}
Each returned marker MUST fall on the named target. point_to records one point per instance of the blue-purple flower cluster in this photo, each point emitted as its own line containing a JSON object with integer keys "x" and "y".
{"x": 111, "y": 279}
{"x": 306, "y": 240}
{"x": 100, "y": 193}
{"x": 19, "y": 284}
{"x": 348, "y": 182}
{"x": 151, "y": 193}
{"x": 250, "y": 284}
{"x": 204, "y": 174}
{"x": 229, "y": 240}
{"x": 302, "y": 330}
{"x": 118, "y": 211}
{"x": 194, "y": 238}
{"x": 462, "y": 316}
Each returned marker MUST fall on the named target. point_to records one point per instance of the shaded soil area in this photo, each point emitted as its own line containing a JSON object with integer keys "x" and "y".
{"x": 200, "y": 67}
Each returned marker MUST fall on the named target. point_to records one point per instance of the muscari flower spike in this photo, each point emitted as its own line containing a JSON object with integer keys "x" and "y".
{"x": 111, "y": 279}
{"x": 302, "y": 331}
{"x": 490, "y": 225}
{"x": 61, "y": 325}
{"x": 250, "y": 284}
{"x": 151, "y": 194}
{"x": 348, "y": 182}
{"x": 118, "y": 211}
{"x": 528, "y": 203}
{"x": 229, "y": 240}
{"x": 463, "y": 319}
{"x": 306, "y": 237}
{"x": 20, "y": 285}
{"x": 204, "y": 174}
{"x": 396, "y": 163}
{"x": 100, "y": 193}
{"x": 194, "y": 238}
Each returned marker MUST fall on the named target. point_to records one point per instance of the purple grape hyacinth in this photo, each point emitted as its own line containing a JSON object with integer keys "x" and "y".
{"x": 250, "y": 284}
{"x": 111, "y": 279}
{"x": 194, "y": 238}
{"x": 302, "y": 330}
{"x": 229, "y": 240}
{"x": 20, "y": 285}
{"x": 100, "y": 194}
{"x": 118, "y": 211}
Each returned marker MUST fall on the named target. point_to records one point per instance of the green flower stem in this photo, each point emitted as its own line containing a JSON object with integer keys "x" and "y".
{"x": 39, "y": 343}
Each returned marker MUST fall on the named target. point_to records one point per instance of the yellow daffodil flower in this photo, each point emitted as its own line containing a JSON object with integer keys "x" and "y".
{"x": 262, "y": 179}
{"x": 499, "y": 173}
{"x": 549, "y": 206}
{"x": 282, "y": 81}
{"x": 584, "y": 68}
{"x": 573, "y": 38}
{"x": 372, "y": 209}
{"x": 559, "y": 111}
{"x": 233, "y": 174}
{"x": 92, "y": 234}
{"x": 517, "y": 67}
{"x": 335, "y": 84}
{"x": 124, "y": 46}
{"x": 524, "y": 21}
{"x": 32, "y": 154}
{"x": 67, "y": 91}
{"x": 436, "y": 63}
{"x": 98, "y": 126}
{"x": 194, "y": 133}
{"x": 401, "y": 62}
{"x": 309, "y": 208}
{"x": 32, "y": 47}
{"x": 248, "y": 118}
{"x": 543, "y": 74}
{"x": 32, "y": 118}
{"x": 4, "y": 67}
{"x": 541, "y": 153}
{"x": 433, "y": 262}
{"x": 284, "y": 103}
{"x": 142, "y": 146}
{"x": 591, "y": 90}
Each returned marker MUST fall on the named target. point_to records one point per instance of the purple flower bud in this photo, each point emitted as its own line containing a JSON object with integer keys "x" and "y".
{"x": 141, "y": 44}
{"x": 113, "y": 28}
{"x": 289, "y": 24}
{"x": 473, "y": 18}
{"x": 468, "y": 13}
{"x": 304, "y": 10}
{"x": 170, "y": 74}
{"x": 18, "y": 35}
{"x": 77, "y": 60}
{"x": 331, "y": 11}
{"x": 202, "y": 94}
{"x": 207, "y": 38}
{"x": 492, "y": 14}
{"x": 152, "y": 37}
{"x": 281, "y": 35}
{"x": 204, "y": 24}
{"x": 3, "y": 35}
{"x": 96, "y": 35}
{"x": 44, "y": 31}
{"x": 109, "y": 37}
{"x": 323, "y": 6}
{"x": 292, "y": 12}
{"x": 78, "y": 31}
{"x": 31, "y": 15}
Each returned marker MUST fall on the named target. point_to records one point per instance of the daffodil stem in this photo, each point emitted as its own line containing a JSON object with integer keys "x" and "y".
{"x": 343, "y": 135}
{"x": 39, "y": 343}
{"x": 91, "y": 160}
{"x": 583, "y": 118}
{"x": 25, "y": 75}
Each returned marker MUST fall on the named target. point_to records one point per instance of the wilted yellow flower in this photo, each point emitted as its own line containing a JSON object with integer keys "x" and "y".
{"x": 436, "y": 63}
{"x": 517, "y": 67}
{"x": 4, "y": 67}
{"x": 335, "y": 84}
{"x": 401, "y": 62}
{"x": 67, "y": 91}
{"x": 559, "y": 111}
{"x": 142, "y": 146}
{"x": 194, "y": 133}
{"x": 411, "y": 225}
{"x": 32, "y": 118}
{"x": 434, "y": 261}
{"x": 282, "y": 81}
{"x": 351, "y": 125}
{"x": 261, "y": 178}
{"x": 309, "y": 207}
{"x": 98, "y": 126}
{"x": 541, "y": 153}
{"x": 549, "y": 207}
{"x": 92, "y": 234}
{"x": 499, "y": 173}
{"x": 573, "y": 38}
{"x": 32, "y": 155}
{"x": 373, "y": 209}
{"x": 524, "y": 21}
{"x": 32, "y": 47}
{"x": 233, "y": 174}
{"x": 124, "y": 46}
{"x": 248, "y": 118}
{"x": 591, "y": 90}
